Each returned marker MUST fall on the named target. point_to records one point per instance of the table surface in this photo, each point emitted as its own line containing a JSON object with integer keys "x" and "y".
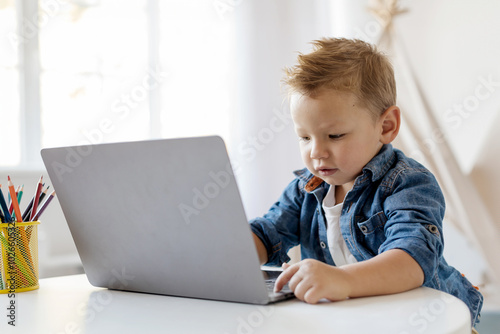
{"x": 69, "y": 304}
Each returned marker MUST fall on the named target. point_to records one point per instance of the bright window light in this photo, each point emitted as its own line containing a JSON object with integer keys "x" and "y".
{"x": 112, "y": 70}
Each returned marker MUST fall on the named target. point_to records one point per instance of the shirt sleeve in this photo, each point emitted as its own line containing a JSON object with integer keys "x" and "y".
{"x": 415, "y": 210}
{"x": 279, "y": 228}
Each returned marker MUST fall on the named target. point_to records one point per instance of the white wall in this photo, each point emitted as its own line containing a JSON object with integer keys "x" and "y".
{"x": 454, "y": 46}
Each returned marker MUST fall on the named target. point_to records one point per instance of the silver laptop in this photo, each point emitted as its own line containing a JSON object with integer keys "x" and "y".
{"x": 160, "y": 216}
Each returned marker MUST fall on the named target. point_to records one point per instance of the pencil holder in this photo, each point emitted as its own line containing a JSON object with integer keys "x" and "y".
{"x": 19, "y": 256}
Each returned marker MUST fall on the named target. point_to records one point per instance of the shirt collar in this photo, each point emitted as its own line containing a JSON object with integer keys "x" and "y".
{"x": 380, "y": 164}
{"x": 377, "y": 168}
{"x": 310, "y": 182}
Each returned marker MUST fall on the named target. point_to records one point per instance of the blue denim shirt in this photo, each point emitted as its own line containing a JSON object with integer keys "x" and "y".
{"x": 395, "y": 203}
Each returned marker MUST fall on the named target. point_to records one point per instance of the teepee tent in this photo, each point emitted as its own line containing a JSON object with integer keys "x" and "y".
{"x": 422, "y": 138}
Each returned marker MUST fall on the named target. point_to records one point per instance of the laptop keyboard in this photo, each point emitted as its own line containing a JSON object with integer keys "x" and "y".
{"x": 270, "y": 277}
{"x": 270, "y": 286}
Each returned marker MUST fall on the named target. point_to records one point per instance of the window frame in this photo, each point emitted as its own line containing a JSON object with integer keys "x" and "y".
{"x": 30, "y": 15}
{"x": 29, "y": 84}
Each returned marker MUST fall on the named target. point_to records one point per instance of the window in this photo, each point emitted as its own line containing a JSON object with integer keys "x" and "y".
{"x": 112, "y": 70}
{"x": 9, "y": 80}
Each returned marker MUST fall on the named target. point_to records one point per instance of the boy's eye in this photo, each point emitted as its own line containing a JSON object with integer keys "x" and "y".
{"x": 336, "y": 136}
{"x": 303, "y": 138}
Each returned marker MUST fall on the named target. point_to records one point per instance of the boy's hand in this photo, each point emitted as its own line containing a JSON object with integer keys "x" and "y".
{"x": 392, "y": 271}
{"x": 312, "y": 280}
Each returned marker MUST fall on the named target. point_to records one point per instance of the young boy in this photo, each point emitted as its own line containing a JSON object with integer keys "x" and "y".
{"x": 368, "y": 218}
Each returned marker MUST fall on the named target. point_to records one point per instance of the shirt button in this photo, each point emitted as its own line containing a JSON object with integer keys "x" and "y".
{"x": 322, "y": 244}
{"x": 433, "y": 229}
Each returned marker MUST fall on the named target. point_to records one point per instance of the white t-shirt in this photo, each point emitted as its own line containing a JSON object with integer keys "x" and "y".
{"x": 338, "y": 248}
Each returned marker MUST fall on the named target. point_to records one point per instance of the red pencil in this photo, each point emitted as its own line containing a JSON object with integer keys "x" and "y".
{"x": 44, "y": 206}
{"x": 36, "y": 198}
{"x": 13, "y": 196}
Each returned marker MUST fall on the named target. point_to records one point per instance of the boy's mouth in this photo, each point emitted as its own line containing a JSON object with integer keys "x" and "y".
{"x": 327, "y": 171}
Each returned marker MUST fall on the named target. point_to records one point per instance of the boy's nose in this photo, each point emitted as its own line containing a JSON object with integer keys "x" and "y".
{"x": 318, "y": 151}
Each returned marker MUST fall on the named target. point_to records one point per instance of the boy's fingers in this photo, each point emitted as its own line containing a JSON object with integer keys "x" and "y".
{"x": 312, "y": 296}
{"x": 285, "y": 276}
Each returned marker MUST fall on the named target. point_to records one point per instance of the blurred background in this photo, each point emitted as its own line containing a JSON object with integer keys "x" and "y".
{"x": 97, "y": 71}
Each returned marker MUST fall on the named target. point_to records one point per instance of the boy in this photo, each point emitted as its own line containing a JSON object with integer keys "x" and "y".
{"x": 368, "y": 218}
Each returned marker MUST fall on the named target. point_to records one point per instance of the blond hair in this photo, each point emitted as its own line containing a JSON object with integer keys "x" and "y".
{"x": 345, "y": 65}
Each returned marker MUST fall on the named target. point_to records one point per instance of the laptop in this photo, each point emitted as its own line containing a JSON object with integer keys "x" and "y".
{"x": 160, "y": 216}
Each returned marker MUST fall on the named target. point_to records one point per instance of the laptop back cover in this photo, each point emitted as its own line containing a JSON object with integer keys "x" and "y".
{"x": 160, "y": 216}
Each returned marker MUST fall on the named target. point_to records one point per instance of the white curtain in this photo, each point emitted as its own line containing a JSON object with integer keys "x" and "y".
{"x": 263, "y": 144}
{"x": 465, "y": 209}
{"x": 423, "y": 138}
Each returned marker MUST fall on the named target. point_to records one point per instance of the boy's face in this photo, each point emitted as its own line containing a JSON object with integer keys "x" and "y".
{"x": 338, "y": 136}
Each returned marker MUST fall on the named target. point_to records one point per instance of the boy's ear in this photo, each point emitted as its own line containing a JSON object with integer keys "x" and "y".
{"x": 390, "y": 121}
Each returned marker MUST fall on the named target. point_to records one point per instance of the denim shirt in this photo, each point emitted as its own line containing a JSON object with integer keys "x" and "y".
{"x": 395, "y": 203}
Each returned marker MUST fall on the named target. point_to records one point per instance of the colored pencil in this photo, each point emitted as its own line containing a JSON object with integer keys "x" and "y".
{"x": 43, "y": 194}
{"x": 27, "y": 211}
{"x": 44, "y": 206}
{"x": 29, "y": 229}
{"x": 20, "y": 194}
{"x": 36, "y": 199}
{"x": 2, "y": 217}
{"x": 13, "y": 196}
{"x": 5, "y": 209}
{"x": 11, "y": 203}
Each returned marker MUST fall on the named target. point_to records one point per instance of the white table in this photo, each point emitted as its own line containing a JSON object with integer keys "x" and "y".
{"x": 71, "y": 305}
